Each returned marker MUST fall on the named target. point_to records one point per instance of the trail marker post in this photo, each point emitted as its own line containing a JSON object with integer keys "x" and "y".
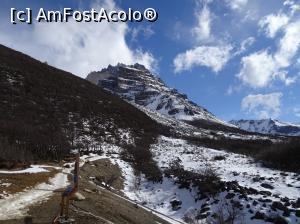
{"x": 67, "y": 196}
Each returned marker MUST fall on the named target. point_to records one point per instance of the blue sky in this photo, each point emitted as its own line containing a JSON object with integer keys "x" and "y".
{"x": 237, "y": 58}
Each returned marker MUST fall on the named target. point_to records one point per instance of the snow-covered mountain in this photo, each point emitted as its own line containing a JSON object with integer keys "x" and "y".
{"x": 138, "y": 85}
{"x": 268, "y": 126}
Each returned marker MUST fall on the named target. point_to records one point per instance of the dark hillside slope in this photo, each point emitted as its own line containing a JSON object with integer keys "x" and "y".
{"x": 45, "y": 112}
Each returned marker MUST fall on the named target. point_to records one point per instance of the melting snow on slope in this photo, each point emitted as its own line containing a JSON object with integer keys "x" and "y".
{"x": 31, "y": 169}
{"x": 234, "y": 167}
{"x": 17, "y": 205}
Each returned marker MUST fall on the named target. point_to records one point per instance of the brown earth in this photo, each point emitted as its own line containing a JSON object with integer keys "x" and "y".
{"x": 18, "y": 182}
{"x": 100, "y": 204}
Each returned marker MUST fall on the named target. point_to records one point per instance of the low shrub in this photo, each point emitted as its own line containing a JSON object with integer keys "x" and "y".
{"x": 206, "y": 180}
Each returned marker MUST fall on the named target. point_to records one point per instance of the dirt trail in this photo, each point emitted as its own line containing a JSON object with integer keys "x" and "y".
{"x": 99, "y": 204}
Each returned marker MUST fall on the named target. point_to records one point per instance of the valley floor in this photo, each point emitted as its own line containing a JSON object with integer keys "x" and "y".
{"x": 113, "y": 191}
{"x": 100, "y": 205}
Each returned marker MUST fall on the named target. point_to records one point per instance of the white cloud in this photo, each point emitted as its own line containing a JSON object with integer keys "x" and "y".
{"x": 142, "y": 30}
{"x": 245, "y": 45}
{"x": 232, "y": 89}
{"x": 214, "y": 57}
{"x": 263, "y": 106}
{"x": 237, "y": 4}
{"x": 202, "y": 31}
{"x": 273, "y": 23}
{"x": 258, "y": 69}
{"x": 78, "y": 47}
{"x": 292, "y": 5}
{"x": 209, "y": 51}
{"x": 289, "y": 44}
{"x": 288, "y": 80}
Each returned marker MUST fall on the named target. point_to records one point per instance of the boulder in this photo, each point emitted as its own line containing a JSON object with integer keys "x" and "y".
{"x": 259, "y": 215}
{"x": 279, "y": 206}
{"x": 267, "y": 186}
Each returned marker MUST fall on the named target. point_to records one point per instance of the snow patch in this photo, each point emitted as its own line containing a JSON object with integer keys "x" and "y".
{"x": 17, "y": 205}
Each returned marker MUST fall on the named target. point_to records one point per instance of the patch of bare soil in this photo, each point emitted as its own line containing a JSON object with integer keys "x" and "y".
{"x": 103, "y": 172}
{"x": 99, "y": 204}
{"x": 14, "y": 183}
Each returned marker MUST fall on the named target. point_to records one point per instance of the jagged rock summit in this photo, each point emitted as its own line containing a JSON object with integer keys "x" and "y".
{"x": 136, "y": 84}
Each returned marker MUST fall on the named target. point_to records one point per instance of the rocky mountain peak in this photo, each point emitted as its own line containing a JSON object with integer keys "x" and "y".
{"x": 268, "y": 126}
{"x": 136, "y": 84}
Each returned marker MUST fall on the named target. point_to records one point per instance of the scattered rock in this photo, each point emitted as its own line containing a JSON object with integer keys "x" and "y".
{"x": 276, "y": 196}
{"x": 296, "y": 204}
{"x": 283, "y": 174}
{"x": 202, "y": 216}
{"x": 286, "y": 213}
{"x": 215, "y": 215}
{"x": 216, "y": 201}
{"x": 235, "y": 173}
{"x": 202, "y": 196}
{"x": 176, "y": 205}
{"x": 237, "y": 204}
{"x": 204, "y": 210}
{"x": 88, "y": 190}
{"x": 230, "y": 195}
{"x": 217, "y": 158}
{"x": 204, "y": 205}
{"x": 267, "y": 186}
{"x": 79, "y": 197}
{"x": 279, "y": 206}
{"x": 243, "y": 196}
{"x": 265, "y": 193}
{"x": 264, "y": 200}
{"x": 280, "y": 220}
{"x": 252, "y": 191}
{"x": 255, "y": 179}
{"x": 259, "y": 215}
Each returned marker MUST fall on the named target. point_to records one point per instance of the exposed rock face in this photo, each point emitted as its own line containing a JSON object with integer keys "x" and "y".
{"x": 138, "y": 85}
{"x": 268, "y": 126}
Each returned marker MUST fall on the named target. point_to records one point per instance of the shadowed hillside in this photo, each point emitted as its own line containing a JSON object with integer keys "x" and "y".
{"x": 45, "y": 112}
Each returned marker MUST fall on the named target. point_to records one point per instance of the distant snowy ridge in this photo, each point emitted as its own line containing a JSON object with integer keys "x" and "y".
{"x": 136, "y": 84}
{"x": 268, "y": 126}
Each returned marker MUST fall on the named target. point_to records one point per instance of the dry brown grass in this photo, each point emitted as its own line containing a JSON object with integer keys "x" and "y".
{"x": 19, "y": 182}
{"x": 103, "y": 169}
{"x": 99, "y": 201}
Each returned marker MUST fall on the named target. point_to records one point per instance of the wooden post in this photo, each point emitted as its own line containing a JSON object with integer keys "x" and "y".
{"x": 76, "y": 173}
{"x": 68, "y": 195}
